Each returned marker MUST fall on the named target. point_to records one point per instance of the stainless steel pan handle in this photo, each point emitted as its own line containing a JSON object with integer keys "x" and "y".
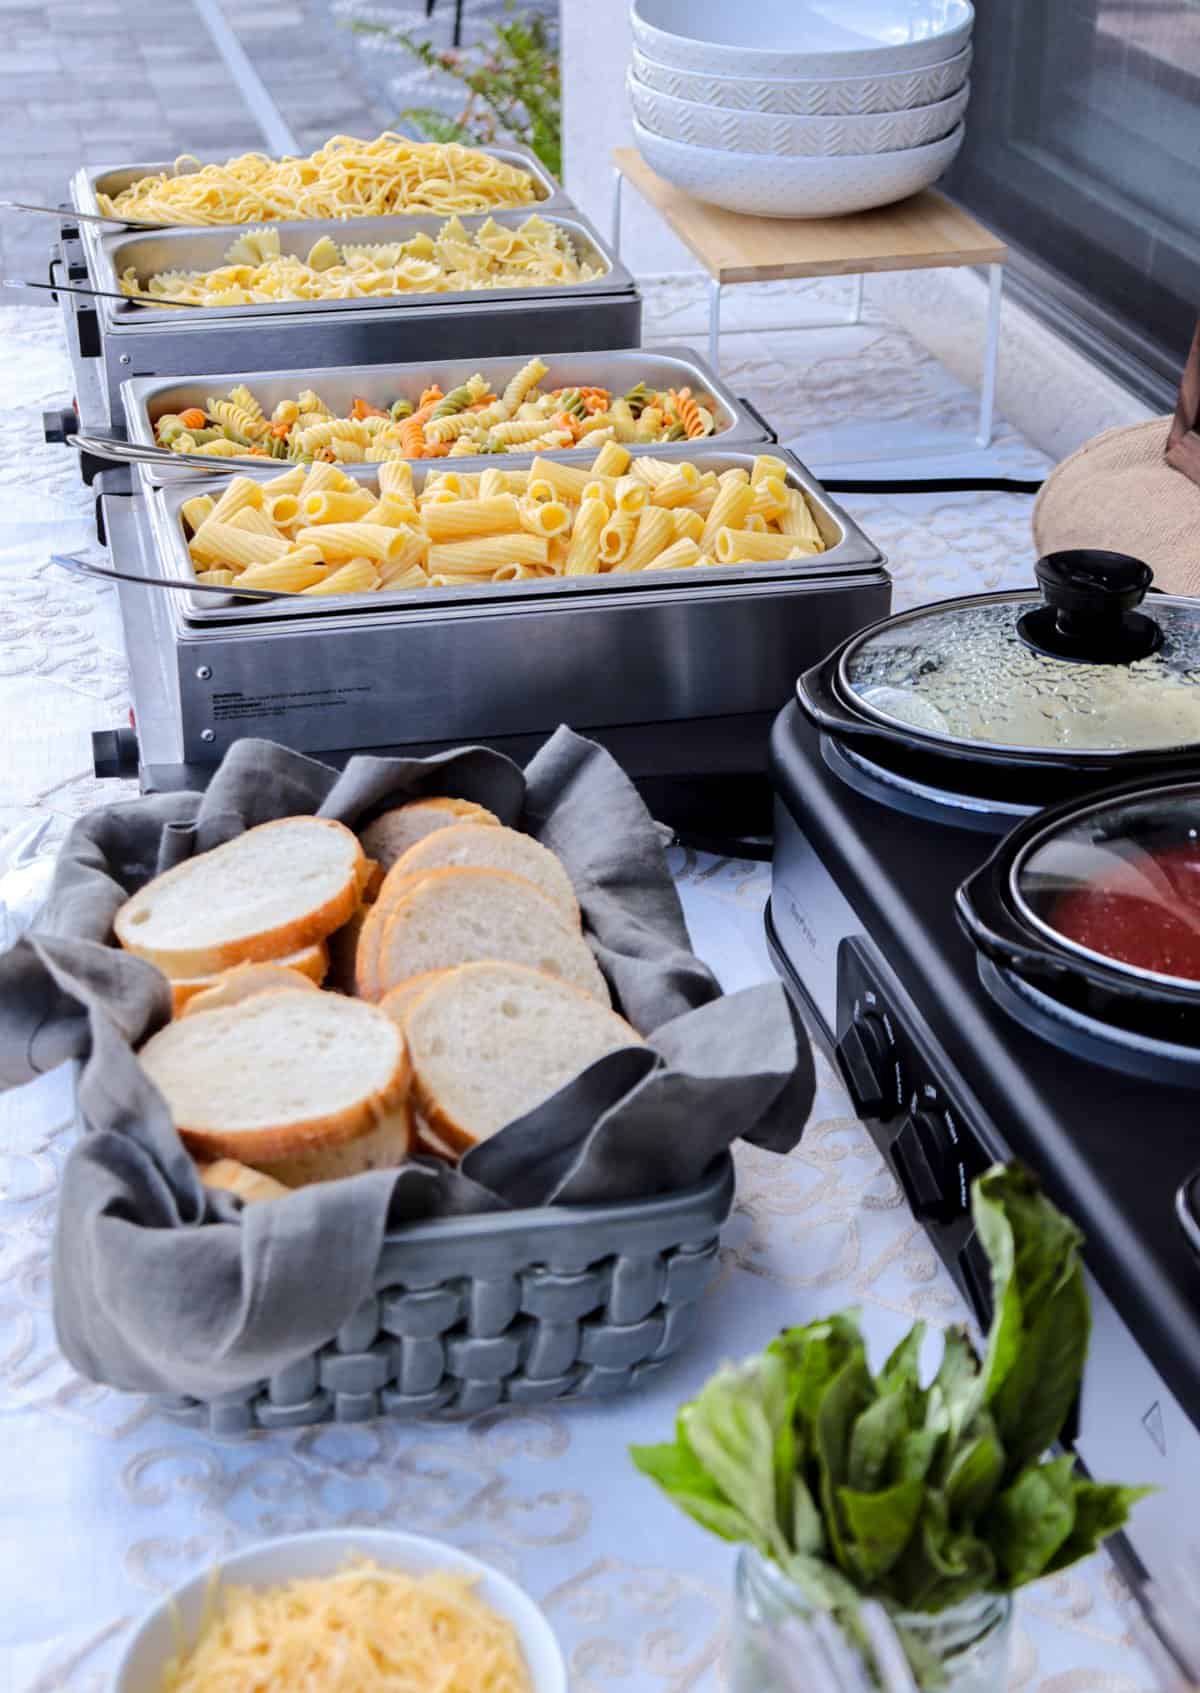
{"x": 102, "y": 294}
{"x": 134, "y": 452}
{"x": 68, "y": 214}
{"x": 82, "y": 567}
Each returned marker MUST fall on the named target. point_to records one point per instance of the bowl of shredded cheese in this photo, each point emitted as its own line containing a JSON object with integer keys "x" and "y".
{"x": 345, "y": 1611}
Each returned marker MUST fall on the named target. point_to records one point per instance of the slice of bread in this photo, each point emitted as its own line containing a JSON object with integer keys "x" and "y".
{"x": 239, "y": 1179}
{"x": 491, "y": 1041}
{"x": 278, "y": 1074}
{"x": 460, "y": 916}
{"x": 343, "y": 952}
{"x": 391, "y": 835}
{"x": 370, "y": 934}
{"x": 398, "y": 1002}
{"x": 243, "y": 981}
{"x": 272, "y": 890}
{"x": 495, "y": 849}
{"x": 385, "y": 1146}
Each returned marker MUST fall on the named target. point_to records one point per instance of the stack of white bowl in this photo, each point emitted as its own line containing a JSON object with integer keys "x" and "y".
{"x": 800, "y": 108}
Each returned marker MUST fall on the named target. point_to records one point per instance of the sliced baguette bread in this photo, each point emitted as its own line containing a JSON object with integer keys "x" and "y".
{"x": 495, "y": 849}
{"x": 385, "y": 1146}
{"x": 490, "y": 1041}
{"x": 279, "y": 1074}
{"x": 391, "y": 835}
{"x": 463, "y": 915}
{"x": 398, "y": 1002}
{"x": 309, "y": 963}
{"x": 274, "y": 889}
{"x": 243, "y": 981}
{"x": 229, "y": 1176}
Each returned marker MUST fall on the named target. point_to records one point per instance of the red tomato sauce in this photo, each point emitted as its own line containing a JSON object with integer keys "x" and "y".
{"x": 1145, "y": 914}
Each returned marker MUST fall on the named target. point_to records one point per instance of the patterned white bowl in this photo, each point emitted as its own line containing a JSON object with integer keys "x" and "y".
{"x": 804, "y": 38}
{"x": 766, "y": 186}
{"x": 832, "y": 96}
{"x": 786, "y": 137}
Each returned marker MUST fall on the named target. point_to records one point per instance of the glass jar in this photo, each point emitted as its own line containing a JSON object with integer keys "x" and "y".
{"x": 969, "y": 1644}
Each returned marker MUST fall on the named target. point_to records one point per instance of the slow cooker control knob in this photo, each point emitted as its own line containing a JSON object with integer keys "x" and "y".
{"x": 867, "y": 1060}
{"x": 927, "y": 1165}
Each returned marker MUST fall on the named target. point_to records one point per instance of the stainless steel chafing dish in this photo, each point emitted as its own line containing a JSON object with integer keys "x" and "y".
{"x": 677, "y": 671}
{"x": 131, "y": 340}
{"x": 148, "y": 252}
{"x": 91, "y": 181}
{"x": 146, "y": 399}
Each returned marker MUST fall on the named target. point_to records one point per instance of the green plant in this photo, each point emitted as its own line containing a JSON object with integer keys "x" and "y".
{"x": 513, "y": 84}
{"x": 860, "y": 1484}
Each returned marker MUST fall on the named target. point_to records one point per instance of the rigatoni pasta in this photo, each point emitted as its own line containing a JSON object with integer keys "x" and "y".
{"x": 330, "y": 535}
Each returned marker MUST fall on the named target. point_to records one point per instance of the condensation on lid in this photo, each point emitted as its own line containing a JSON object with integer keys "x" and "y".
{"x": 961, "y": 673}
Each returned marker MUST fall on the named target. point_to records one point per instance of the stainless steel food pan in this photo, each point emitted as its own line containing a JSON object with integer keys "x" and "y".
{"x": 205, "y": 249}
{"x": 92, "y": 180}
{"x": 146, "y": 399}
{"x": 847, "y": 549}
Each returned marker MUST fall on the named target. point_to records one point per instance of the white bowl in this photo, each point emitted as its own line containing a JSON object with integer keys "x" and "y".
{"x": 765, "y": 132}
{"x": 301, "y": 1555}
{"x": 827, "y": 96}
{"x": 763, "y": 185}
{"x": 807, "y": 38}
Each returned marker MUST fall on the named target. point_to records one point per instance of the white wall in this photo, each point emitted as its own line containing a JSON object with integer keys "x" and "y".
{"x": 595, "y": 56}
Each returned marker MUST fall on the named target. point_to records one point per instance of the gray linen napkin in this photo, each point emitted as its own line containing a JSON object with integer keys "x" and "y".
{"x": 162, "y": 1286}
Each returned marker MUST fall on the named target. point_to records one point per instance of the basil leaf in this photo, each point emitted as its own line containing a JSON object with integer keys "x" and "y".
{"x": 878, "y": 1527}
{"x": 1036, "y": 1396}
{"x": 958, "y": 1381}
{"x": 727, "y": 1429}
{"x": 812, "y": 1356}
{"x": 914, "y": 1455}
{"x": 940, "y": 1567}
{"x": 1033, "y": 1249}
{"x": 848, "y": 1394}
{"x": 1100, "y": 1510}
{"x": 972, "y": 1477}
{"x": 808, "y": 1533}
{"x": 901, "y": 1369}
{"x": 872, "y": 1439}
{"x": 684, "y": 1480}
{"x": 1031, "y": 1520}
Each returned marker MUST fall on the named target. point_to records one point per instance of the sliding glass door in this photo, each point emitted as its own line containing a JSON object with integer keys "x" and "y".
{"x": 1083, "y": 146}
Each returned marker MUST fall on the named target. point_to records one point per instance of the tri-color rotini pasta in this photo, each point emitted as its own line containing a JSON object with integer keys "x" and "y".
{"x": 320, "y": 532}
{"x": 472, "y": 418}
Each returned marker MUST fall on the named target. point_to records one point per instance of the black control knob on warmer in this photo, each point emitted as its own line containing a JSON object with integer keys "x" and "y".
{"x": 927, "y": 1165}
{"x": 868, "y": 1065}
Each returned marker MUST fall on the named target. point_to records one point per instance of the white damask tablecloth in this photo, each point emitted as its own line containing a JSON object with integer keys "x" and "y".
{"x": 103, "y": 1503}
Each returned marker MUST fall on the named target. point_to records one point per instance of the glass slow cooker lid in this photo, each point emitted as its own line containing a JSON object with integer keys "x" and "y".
{"x": 1120, "y": 882}
{"x": 1080, "y": 671}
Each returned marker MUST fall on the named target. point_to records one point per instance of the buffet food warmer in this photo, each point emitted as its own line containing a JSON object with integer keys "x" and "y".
{"x": 146, "y": 399}
{"x": 1001, "y": 980}
{"x": 679, "y": 672}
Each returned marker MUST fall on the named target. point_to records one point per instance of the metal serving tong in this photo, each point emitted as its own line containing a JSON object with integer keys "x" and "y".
{"x": 81, "y": 567}
{"x": 134, "y": 452}
{"x": 66, "y": 214}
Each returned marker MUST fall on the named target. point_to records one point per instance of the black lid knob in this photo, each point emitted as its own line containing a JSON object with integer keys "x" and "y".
{"x": 1089, "y": 614}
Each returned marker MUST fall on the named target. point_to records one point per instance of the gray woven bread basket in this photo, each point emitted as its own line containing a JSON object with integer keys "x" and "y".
{"x": 519, "y": 1308}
